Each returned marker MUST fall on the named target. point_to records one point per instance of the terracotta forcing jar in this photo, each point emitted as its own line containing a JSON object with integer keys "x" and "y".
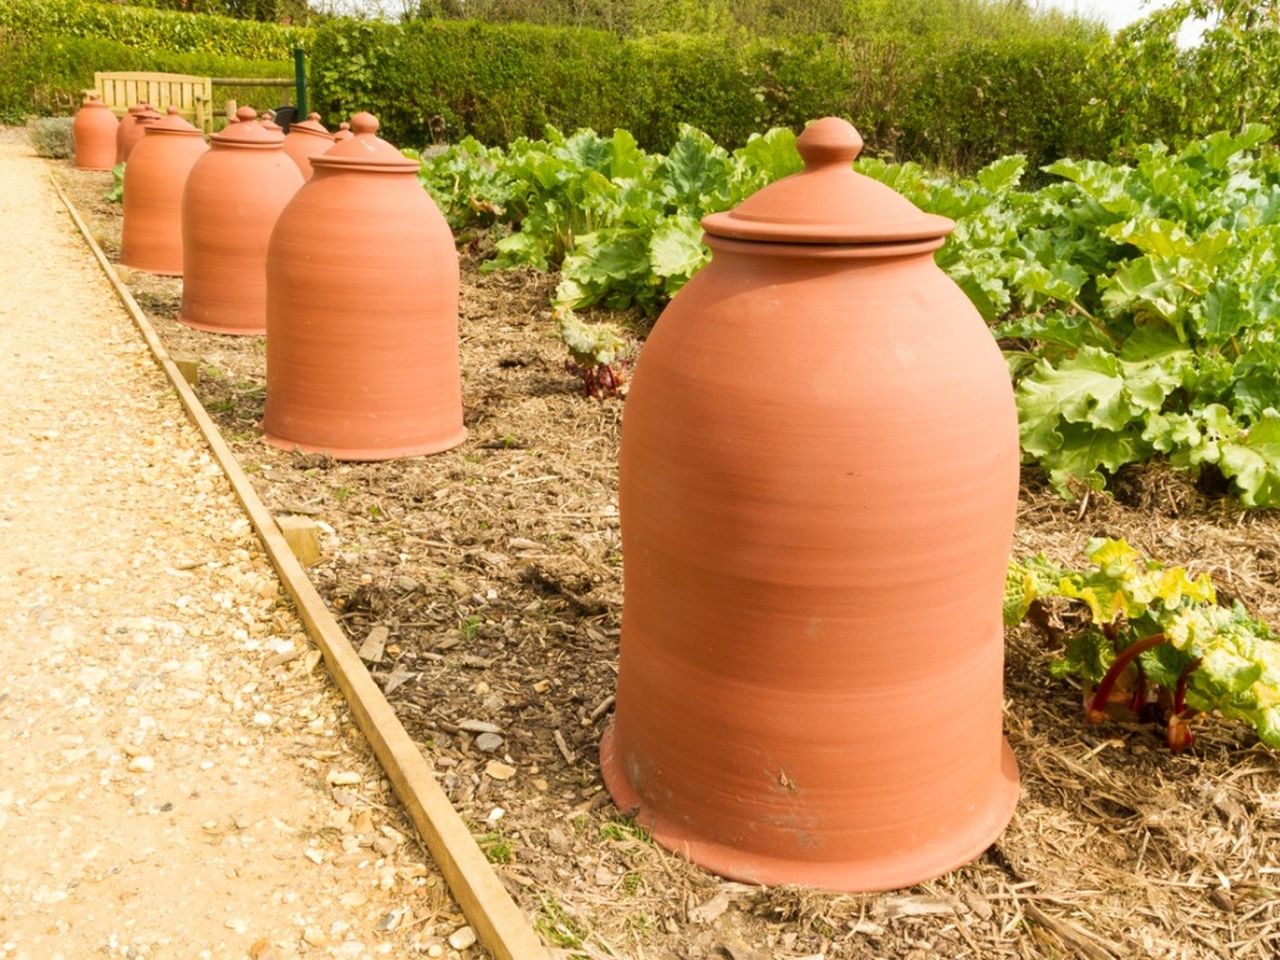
{"x": 362, "y": 310}
{"x": 154, "y": 177}
{"x": 94, "y": 133}
{"x": 305, "y": 139}
{"x": 819, "y": 475}
{"x": 230, "y": 205}
{"x": 132, "y": 126}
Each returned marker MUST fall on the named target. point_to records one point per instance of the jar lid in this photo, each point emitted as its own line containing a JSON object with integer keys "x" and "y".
{"x": 365, "y": 150}
{"x": 246, "y": 131}
{"x": 311, "y": 126}
{"x": 144, "y": 113}
{"x": 93, "y": 99}
{"x": 827, "y": 202}
{"x": 172, "y": 123}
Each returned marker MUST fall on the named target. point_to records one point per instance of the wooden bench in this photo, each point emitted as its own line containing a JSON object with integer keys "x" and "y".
{"x": 193, "y": 96}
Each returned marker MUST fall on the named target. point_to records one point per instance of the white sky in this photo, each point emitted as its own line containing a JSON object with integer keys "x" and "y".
{"x": 1116, "y": 13}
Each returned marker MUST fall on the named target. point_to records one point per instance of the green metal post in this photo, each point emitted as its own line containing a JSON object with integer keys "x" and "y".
{"x": 300, "y": 78}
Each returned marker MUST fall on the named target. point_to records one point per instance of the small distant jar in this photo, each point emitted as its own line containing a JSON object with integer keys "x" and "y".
{"x": 362, "y": 311}
{"x": 154, "y": 179}
{"x": 94, "y": 133}
{"x": 132, "y": 126}
{"x": 305, "y": 139}
{"x": 230, "y": 205}
{"x": 343, "y": 132}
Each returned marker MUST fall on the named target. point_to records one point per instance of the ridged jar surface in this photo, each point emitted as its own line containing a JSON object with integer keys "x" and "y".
{"x": 362, "y": 320}
{"x": 94, "y": 134}
{"x": 154, "y": 177}
{"x": 301, "y": 147}
{"x": 230, "y": 205}
{"x": 819, "y": 473}
{"x": 128, "y": 135}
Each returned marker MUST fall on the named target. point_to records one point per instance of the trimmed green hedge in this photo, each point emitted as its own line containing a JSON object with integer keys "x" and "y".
{"x": 953, "y": 101}
{"x": 48, "y": 76}
{"x": 29, "y": 20}
{"x": 959, "y": 103}
{"x": 50, "y": 50}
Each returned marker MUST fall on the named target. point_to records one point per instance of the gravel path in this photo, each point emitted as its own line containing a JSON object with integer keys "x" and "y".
{"x": 180, "y": 777}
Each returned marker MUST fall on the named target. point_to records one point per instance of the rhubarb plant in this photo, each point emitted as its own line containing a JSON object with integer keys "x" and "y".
{"x": 1138, "y": 303}
{"x": 596, "y": 354}
{"x": 116, "y": 193}
{"x": 1151, "y": 642}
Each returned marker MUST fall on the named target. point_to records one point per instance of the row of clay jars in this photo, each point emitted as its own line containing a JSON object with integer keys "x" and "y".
{"x": 386, "y": 386}
{"x": 93, "y": 132}
{"x": 232, "y": 199}
{"x": 154, "y": 179}
{"x": 828, "y": 723}
{"x": 132, "y": 126}
{"x": 100, "y": 140}
{"x": 153, "y": 232}
{"x": 306, "y": 139}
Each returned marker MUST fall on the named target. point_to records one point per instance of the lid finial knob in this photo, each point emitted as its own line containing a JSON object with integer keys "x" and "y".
{"x": 364, "y": 122}
{"x": 315, "y": 117}
{"x": 246, "y": 114}
{"x": 173, "y": 109}
{"x": 827, "y": 142}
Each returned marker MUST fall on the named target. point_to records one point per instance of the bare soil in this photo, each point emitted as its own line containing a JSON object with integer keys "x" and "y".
{"x": 497, "y": 569}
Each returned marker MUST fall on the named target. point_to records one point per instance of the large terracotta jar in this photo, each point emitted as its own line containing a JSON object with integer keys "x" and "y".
{"x": 154, "y": 177}
{"x": 132, "y": 126}
{"x": 362, "y": 310}
{"x": 819, "y": 475}
{"x": 230, "y": 205}
{"x": 305, "y": 139}
{"x": 94, "y": 133}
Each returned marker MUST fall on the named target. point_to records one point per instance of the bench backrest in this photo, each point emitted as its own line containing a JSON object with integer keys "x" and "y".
{"x": 193, "y": 96}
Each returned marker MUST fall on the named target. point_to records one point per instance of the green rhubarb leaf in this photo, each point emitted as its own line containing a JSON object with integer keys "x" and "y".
{"x": 626, "y": 159}
{"x": 1026, "y": 582}
{"x": 1002, "y": 175}
{"x": 589, "y": 344}
{"x": 1087, "y": 388}
{"x": 1085, "y": 451}
{"x": 1252, "y": 462}
{"x": 1069, "y": 330}
{"x": 1153, "y": 236}
{"x": 1229, "y": 672}
{"x": 676, "y": 249}
{"x": 1142, "y": 286}
{"x": 1088, "y": 655}
{"x": 1221, "y": 314}
{"x": 695, "y": 169}
{"x": 1155, "y": 341}
{"x": 1062, "y": 281}
{"x": 771, "y": 155}
{"x": 1148, "y": 384}
{"x": 1169, "y": 432}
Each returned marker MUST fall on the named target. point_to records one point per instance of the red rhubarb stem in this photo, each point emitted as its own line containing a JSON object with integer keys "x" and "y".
{"x": 1139, "y": 692}
{"x": 1096, "y": 709}
{"x": 1180, "y": 692}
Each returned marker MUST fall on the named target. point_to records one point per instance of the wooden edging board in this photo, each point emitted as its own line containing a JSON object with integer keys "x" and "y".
{"x": 498, "y": 922}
